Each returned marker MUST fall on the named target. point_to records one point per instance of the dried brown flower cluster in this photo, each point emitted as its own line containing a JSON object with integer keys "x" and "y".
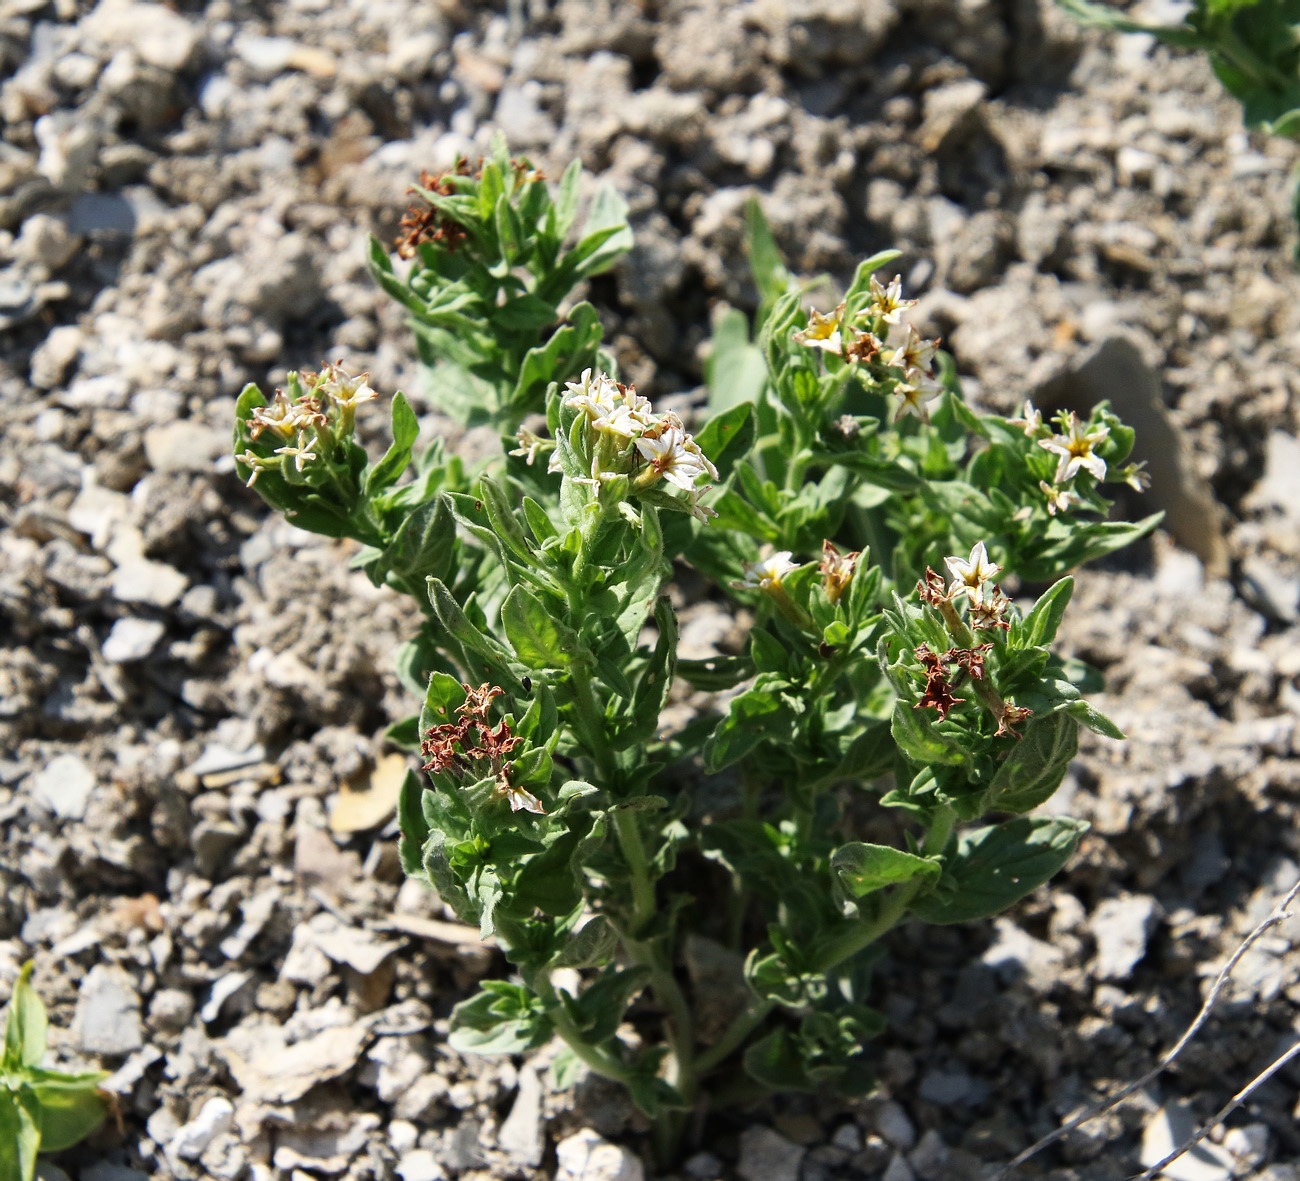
{"x": 457, "y": 746}
{"x": 424, "y": 222}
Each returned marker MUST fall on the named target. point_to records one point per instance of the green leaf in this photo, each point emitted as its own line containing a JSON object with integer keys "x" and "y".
{"x": 1033, "y": 770}
{"x": 920, "y": 741}
{"x": 1039, "y": 627}
{"x": 538, "y": 638}
{"x": 736, "y": 369}
{"x": 1096, "y": 721}
{"x": 414, "y": 827}
{"x": 599, "y": 1010}
{"x": 996, "y": 866}
{"x": 20, "y": 1136}
{"x": 500, "y": 1019}
{"x": 865, "y": 868}
{"x": 590, "y": 946}
{"x": 25, "y": 1024}
{"x": 775, "y": 1062}
{"x": 424, "y": 544}
{"x": 71, "y": 1107}
{"x": 770, "y": 274}
{"x": 727, "y": 437}
{"x": 503, "y": 519}
{"x": 406, "y": 429}
{"x": 461, "y": 629}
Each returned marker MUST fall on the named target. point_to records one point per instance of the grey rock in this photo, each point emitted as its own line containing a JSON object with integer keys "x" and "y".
{"x": 895, "y": 1127}
{"x": 63, "y": 786}
{"x": 184, "y": 446}
{"x": 69, "y": 144}
{"x": 108, "y": 1012}
{"x": 945, "y": 1086}
{"x": 55, "y": 356}
{"x": 45, "y": 241}
{"x": 587, "y": 1156}
{"x": 103, "y": 1171}
{"x": 1172, "y": 1125}
{"x": 898, "y": 1170}
{"x": 1121, "y": 927}
{"x": 223, "y": 988}
{"x": 102, "y": 213}
{"x": 212, "y": 842}
{"x": 143, "y": 581}
{"x": 704, "y": 1166}
{"x": 159, "y": 36}
{"x": 132, "y": 639}
{"x": 170, "y": 1009}
{"x": 766, "y": 1155}
{"x": 522, "y": 1133}
{"x": 215, "y": 1118}
{"x": 420, "y": 1164}
{"x": 929, "y": 1159}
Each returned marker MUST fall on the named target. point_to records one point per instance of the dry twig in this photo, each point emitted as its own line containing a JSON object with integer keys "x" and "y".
{"x": 1282, "y": 912}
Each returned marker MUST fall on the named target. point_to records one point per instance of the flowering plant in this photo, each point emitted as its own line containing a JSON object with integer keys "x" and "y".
{"x": 874, "y": 536}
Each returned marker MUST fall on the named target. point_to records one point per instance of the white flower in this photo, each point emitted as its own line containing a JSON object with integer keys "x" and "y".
{"x": 347, "y": 392}
{"x": 614, "y": 408}
{"x": 912, "y": 352}
{"x": 1135, "y": 476}
{"x": 888, "y": 302}
{"x": 1030, "y": 420}
{"x": 970, "y": 576}
{"x": 596, "y": 393}
{"x": 766, "y": 573}
{"x": 299, "y": 453}
{"x": 669, "y": 456}
{"x": 285, "y": 418}
{"x": 1076, "y": 450}
{"x": 823, "y": 331}
{"x": 916, "y": 386}
{"x": 1059, "y": 500}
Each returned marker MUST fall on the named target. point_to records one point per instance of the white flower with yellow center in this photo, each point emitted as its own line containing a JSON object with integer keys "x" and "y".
{"x": 1075, "y": 449}
{"x": 888, "y": 302}
{"x": 347, "y": 392}
{"x": 669, "y": 457}
{"x": 596, "y": 393}
{"x": 766, "y": 573}
{"x": 969, "y": 577}
{"x": 914, "y": 389}
{"x": 912, "y": 352}
{"x": 1030, "y": 420}
{"x": 1059, "y": 500}
{"x": 823, "y": 331}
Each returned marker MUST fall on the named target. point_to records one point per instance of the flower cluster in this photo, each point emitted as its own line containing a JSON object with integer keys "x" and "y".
{"x": 629, "y": 439}
{"x": 972, "y": 581}
{"x": 1075, "y": 445}
{"x": 878, "y": 336}
{"x": 310, "y": 420}
{"x": 478, "y": 742}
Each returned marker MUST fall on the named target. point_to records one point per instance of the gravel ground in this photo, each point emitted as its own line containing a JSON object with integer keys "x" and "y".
{"x": 190, "y": 702}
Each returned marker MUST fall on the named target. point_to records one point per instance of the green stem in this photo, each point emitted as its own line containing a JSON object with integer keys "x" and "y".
{"x": 638, "y": 865}
{"x": 594, "y": 1057}
{"x": 734, "y": 1035}
{"x": 860, "y": 935}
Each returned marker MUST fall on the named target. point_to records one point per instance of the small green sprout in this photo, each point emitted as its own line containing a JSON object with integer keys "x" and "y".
{"x": 41, "y": 1110}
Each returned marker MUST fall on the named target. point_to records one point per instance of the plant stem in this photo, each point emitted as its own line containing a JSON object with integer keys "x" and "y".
{"x": 860, "y": 935}
{"x": 638, "y": 865}
{"x": 734, "y": 1035}
{"x": 594, "y": 1057}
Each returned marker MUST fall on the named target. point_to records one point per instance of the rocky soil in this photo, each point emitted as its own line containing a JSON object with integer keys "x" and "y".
{"x": 192, "y": 785}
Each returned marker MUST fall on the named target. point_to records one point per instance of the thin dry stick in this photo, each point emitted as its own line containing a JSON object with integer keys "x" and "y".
{"x": 1228, "y": 1108}
{"x": 1282, "y": 912}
